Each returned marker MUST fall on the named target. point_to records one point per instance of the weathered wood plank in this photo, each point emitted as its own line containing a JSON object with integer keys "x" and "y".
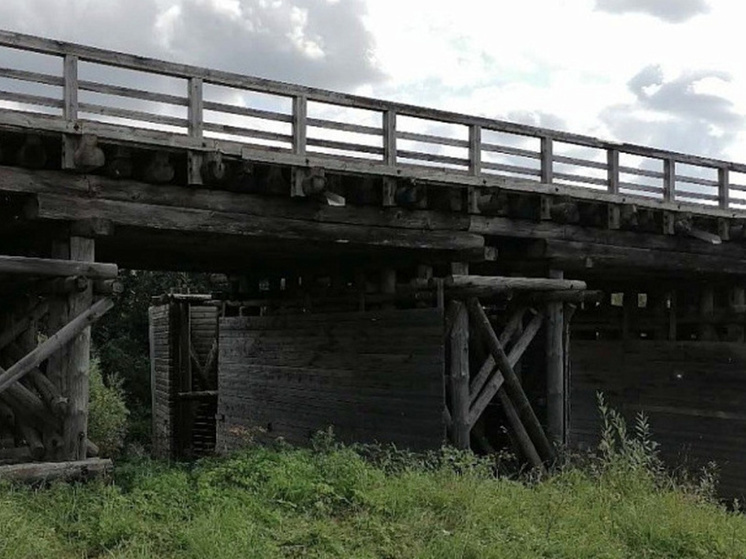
{"x": 52, "y": 267}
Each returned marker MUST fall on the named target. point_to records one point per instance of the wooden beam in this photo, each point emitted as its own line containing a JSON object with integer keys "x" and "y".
{"x": 555, "y": 369}
{"x": 56, "y": 471}
{"x": 497, "y": 284}
{"x": 52, "y": 344}
{"x": 459, "y": 378}
{"x": 53, "y": 267}
{"x": 512, "y": 384}
{"x": 185, "y": 219}
{"x": 575, "y": 256}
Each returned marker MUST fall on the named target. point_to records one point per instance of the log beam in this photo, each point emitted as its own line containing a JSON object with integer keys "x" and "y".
{"x": 459, "y": 377}
{"x": 64, "y": 471}
{"x": 79, "y": 353}
{"x": 496, "y": 284}
{"x": 52, "y": 267}
{"x": 555, "y": 369}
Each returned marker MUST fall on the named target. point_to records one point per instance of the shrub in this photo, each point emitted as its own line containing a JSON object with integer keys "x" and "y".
{"x": 107, "y": 415}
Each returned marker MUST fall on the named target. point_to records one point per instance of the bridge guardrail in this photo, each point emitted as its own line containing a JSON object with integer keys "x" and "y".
{"x": 288, "y": 123}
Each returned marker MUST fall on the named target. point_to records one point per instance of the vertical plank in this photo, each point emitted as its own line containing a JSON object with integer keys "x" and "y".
{"x": 300, "y": 113}
{"x": 459, "y": 377}
{"x": 69, "y": 107}
{"x": 612, "y": 170}
{"x": 184, "y": 380}
{"x": 70, "y": 94}
{"x": 706, "y": 311}
{"x": 195, "y": 124}
{"x": 724, "y": 187}
{"x": 737, "y": 304}
{"x": 672, "y": 318}
{"x": 555, "y": 369}
{"x": 547, "y": 160}
{"x": 389, "y": 157}
{"x": 76, "y": 423}
{"x": 475, "y": 150}
{"x": 669, "y": 180}
{"x": 153, "y": 375}
{"x": 389, "y": 138}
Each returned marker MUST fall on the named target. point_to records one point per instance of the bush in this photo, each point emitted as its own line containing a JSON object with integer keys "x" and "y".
{"x": 107, "y": 415}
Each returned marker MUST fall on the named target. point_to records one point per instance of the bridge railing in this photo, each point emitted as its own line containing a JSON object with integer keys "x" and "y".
{"x": 131, "y": 98}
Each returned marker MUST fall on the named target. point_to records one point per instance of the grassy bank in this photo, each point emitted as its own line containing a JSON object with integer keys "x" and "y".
{"x": 332, "y": 502}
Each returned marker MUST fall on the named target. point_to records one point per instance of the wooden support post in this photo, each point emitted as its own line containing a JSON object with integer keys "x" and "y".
{"x": 672, "y": 322}
{"x": 707, "y": 309}
{"x": 555, "y": 369}
{"x": 737, "y": 304}
{"x": 388, "y": 284}
{"x": 79, "y": 352}
{"x": 459, "y": 378}
{"x": 512, "y": 384}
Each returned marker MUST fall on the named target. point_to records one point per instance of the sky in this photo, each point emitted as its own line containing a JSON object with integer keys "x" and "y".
{"x": 665, "y": 73}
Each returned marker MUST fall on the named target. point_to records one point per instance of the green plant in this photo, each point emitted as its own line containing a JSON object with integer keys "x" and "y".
{"x": 619, "y": 448}
{"x": 107, "y": 415}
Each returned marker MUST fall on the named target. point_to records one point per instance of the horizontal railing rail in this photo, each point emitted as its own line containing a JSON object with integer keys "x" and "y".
{"x": 396, "y": 137}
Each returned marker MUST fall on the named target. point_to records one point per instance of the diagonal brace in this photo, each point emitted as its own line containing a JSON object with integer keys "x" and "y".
{"x": 480, "y": 401}
{"x": 512, "y": 384}
{"x": 64, "y": 336}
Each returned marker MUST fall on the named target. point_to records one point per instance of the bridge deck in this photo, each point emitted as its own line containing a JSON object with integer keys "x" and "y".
{"x": 448, "y": 186}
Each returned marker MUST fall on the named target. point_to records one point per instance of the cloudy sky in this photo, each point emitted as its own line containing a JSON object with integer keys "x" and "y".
{"x": 662, "y": 72}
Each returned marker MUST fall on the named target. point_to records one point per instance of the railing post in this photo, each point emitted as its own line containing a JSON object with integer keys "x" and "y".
{"x": 300, "y": 131}
{"x": 475, "y": 166}
{"x": 669, "y": 180}
{"x": 612, "y": 170}
{"x": 69, "y": 107}
{"x": 547, "y": 156}
{"x": 389, "y": 156}
{"x": 724, "y": 187}
{"x": 195, "y": 128}
{"x": 300, "y": 113}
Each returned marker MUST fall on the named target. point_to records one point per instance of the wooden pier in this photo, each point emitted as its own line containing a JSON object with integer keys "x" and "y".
{"x": 512, "y": 243}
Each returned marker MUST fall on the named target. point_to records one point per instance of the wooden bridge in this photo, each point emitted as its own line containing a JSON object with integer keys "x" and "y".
{"x": 369, "y": 214}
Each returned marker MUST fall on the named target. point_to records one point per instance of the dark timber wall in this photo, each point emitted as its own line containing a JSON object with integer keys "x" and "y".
{"x": 375, "y": 376}
{"x": 184, "y": 378}
{"x": 694, "y": 394}
{"x": 162, "y": 379}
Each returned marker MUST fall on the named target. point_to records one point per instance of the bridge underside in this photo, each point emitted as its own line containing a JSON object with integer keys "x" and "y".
{"x": 365, "y": 243}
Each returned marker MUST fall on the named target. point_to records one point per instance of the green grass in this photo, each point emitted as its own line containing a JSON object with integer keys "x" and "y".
{"x": 331, "y": 502}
